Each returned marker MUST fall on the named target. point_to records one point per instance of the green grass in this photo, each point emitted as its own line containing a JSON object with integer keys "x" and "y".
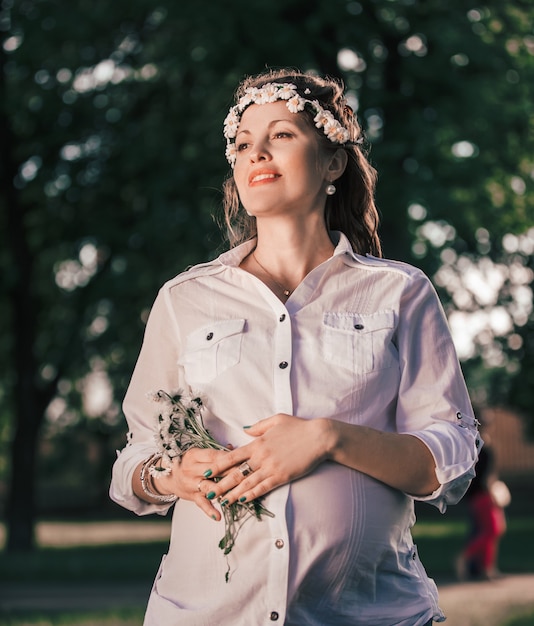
{"x": 131, "y": 618}
{"x": 522, "y": 620}
{"x": 439, "y": 542}
{"x": 126, "y": 563}
{"x": 127, "y": 617}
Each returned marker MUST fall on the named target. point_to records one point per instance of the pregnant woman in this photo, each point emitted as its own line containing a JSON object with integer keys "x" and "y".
{"x": 327, "y": 372}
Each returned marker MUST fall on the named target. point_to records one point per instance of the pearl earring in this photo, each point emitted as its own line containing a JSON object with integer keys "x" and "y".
{"x": 330, "y": 189}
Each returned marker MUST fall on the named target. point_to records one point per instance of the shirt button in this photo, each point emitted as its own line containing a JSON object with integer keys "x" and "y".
{"x": 282, "y": 317}
{"x": 279, "y": 543}
{"x": 283, "y": 365}
{"x": 209, "y": 336}
{"x": 274, "y": 616}
{"x": 358, "y": 326}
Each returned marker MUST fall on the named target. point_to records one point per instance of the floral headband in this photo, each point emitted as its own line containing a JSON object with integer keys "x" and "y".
{"x": 271, "y": 92}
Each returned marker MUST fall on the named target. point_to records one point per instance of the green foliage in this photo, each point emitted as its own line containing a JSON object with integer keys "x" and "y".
{"x": 112, "y": 159}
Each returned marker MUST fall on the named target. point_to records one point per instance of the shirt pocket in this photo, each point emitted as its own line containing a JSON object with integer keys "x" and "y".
{"x": 358, "y": 342}
{"x": 212, "y": 349}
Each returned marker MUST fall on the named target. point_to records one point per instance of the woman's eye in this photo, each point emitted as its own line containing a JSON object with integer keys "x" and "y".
{"x": 282, "y": 135}
{"x": 241, "y": 146}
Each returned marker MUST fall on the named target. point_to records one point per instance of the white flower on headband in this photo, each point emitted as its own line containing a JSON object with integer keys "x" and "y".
{"x": 296, "y": 104}
{"x": 268, "y": 94}
{"x": 231, "y": 152}
{"x": 286, "y": 91}
{"x": 338, "y": 134}
{"x": 323, "y": 119}
{"x": 231, "y": 123}
{"x": 271, "y": 92}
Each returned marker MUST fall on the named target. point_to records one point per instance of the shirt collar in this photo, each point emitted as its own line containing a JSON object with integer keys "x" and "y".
{"x": 234, "y": 257}
{"x": 344, "y": 249}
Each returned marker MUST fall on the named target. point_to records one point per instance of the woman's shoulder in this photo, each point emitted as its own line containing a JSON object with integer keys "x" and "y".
{"x": 391, "y": 265}
{"x": 193, "y": 272}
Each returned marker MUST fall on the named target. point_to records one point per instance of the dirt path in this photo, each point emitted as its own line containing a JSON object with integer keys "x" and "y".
{"x": 487, "y": 603}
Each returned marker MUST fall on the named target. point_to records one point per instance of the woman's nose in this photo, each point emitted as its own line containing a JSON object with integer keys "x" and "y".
{"x": 259, "y": 152}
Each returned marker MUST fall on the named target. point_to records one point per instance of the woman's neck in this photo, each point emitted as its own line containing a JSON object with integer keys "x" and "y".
{"x": 283, "y": 257}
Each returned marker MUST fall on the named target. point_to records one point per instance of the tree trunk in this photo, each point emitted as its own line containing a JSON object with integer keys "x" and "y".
{"x": 28, "y": 411}
{"x": 27, "y": 403}
{"x": 20, "y": 515}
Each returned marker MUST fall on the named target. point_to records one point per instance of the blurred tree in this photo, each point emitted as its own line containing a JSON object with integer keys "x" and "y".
{"x": 95, "y": 160}
{"x": 112, "y": 155}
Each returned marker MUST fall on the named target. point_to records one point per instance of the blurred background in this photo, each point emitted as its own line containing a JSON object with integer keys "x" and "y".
{"x": 111, "y": 164}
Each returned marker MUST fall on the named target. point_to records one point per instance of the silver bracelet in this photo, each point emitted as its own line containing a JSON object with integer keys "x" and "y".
{"x": 145, "y": 478}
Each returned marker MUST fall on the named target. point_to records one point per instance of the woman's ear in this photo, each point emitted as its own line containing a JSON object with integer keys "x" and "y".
{"x": 337, "y": 164}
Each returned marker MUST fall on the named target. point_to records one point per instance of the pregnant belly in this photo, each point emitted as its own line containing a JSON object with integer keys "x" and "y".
{"x": 344, "y": 526}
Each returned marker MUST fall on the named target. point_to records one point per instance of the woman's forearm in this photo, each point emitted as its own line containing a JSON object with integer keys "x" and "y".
{"x": 398, "y": 460}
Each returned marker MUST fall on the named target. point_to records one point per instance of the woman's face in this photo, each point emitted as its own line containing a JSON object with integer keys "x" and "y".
{"x": 280, "y": 167}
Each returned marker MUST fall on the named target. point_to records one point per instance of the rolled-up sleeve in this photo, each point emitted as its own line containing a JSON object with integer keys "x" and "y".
{"x": 121, "y": 483}
{"x": 455, "y": 451}
{"x": 156, "y": 368}
{"x": 433, "y": 403}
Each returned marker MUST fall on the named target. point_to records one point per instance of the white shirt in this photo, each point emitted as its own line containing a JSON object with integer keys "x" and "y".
{"x": 362, "y": 340}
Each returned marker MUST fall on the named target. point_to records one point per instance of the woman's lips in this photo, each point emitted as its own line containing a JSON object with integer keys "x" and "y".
{"x": 263, "y": 177}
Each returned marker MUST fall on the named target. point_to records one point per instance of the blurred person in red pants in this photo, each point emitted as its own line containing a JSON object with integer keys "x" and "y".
{"x": 486, "y": 498}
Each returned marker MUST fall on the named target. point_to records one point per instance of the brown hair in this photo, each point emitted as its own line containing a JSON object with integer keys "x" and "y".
{"x": 352, "y": 209}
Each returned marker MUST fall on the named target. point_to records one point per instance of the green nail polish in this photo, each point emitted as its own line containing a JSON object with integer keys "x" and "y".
{"x": 246, "y": 427}
{"x": 242, "y": 499}
{"x": 210, "y": 495}
{"x": 224, "y": 502}
{"x": 207, "y": 473}
{"x": 213, "y": 517}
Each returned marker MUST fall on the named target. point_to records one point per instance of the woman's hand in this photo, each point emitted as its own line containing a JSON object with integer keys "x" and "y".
{"x": 190, "y": 478}
{"x": 284, "y": 448}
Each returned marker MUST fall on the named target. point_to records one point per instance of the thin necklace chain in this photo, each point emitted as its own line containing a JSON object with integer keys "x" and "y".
{"x": 285, "y": 290}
